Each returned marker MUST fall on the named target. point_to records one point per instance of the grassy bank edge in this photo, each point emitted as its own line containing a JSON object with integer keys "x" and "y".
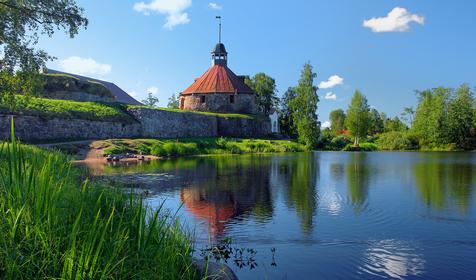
{"x": 198, "y": 146}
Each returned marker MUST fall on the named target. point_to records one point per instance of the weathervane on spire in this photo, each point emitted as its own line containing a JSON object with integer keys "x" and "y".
{"x": 219, "y": 28}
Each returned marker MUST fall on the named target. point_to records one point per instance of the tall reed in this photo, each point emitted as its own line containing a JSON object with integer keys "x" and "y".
{"x": 52, "y": 226}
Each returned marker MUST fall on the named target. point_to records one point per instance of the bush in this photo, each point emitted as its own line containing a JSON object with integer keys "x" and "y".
{"x": 397, "y": 141}
{"x": 364, "y": 147}
{"x": 339, "y": 142}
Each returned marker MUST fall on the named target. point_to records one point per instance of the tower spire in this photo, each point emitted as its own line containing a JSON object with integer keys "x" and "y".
{"x": 219, "y": 54}
{"x": 219, "y": 28}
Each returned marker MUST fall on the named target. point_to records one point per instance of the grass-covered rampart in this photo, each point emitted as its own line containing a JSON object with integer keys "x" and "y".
{"x": 67, "y": 109}
{"x": 53, "y": 226}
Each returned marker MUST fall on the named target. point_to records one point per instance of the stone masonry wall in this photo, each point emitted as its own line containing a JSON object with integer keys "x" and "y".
{"x": 169, "y": 124}
{"x": 34, "y": 128}
{"x": 149, "y": 123}
{"x": 220, "y": 102}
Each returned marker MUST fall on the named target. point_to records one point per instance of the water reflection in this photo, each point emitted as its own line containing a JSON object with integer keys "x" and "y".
{"x": 442, "y": 184}
{"x": 300, "y": 175}
{"x": 372, "y": 209}
{"x": 357, "y": 170}
{"x": 392, "y": 258}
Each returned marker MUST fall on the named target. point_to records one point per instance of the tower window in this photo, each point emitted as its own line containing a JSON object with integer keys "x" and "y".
{"x": 202, "y": 99}
{"x": 232, "y": 99}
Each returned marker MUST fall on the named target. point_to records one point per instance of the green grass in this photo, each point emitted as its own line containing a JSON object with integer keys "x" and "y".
{"x": 199, "y": 146}
{"x": 50, "y": 108}
{"x": 52, "y": 226}
{"x": 241, "y": 116}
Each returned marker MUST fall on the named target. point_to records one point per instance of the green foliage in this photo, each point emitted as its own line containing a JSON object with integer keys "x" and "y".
{"x": 23, "y": 21}
{"x": 363, "y": 147}
{"x": 199, "y": 146}
{"x": 286, "y": 123}
{"x": 337, "y": 118}
{"x": 358, "y": 119}
{"x": 430, "y": 116}
{"x": 173, "y": 102}
{"x": 445, "y": 119}
{"x": 394, "y": 124}
{"x": 461, "y": 119}
{"x": 151, "y": 101}
{"x": 339, "y": 142}
{"x": 304, "y": 107}
{"x": 265, "y": 88}
{"x": 376, "y": 122}
{"x": 53, "y": 226}
{"x": 24, "y": 83}
{"x": 64, "y": 82}
{"x": 50, "y": 108}
{"x": 397, "y": 141}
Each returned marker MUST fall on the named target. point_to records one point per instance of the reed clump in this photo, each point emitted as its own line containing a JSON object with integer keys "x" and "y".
{"x": 52, "y": 226}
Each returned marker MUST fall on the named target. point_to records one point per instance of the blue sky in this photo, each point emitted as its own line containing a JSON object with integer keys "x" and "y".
{"x": 387, "y": 49}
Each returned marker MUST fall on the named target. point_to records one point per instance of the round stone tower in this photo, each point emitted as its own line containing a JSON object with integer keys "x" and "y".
{"x": 219, "y": 89}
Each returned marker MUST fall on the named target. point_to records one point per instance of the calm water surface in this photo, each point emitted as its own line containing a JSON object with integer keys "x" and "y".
{"x": 329, "y": 215}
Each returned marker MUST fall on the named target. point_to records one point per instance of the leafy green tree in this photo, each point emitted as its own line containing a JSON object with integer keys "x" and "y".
{"x": 265, "y": 89}
{"x": 26, "y": 83}
{"x": 21, "y": 22}
{"x": 376, "y": 122}
{"x": 286, "y": 123}
{"x": 394, "y": 124}
{"x": 304, "y": 107}
{"x": 358, "y": 119}
{"x": 173, "y": 102}
{"x": 430, "y": 116}
{"x": 151, "y": 100}
{"x": 460, "y": 120}
{"x": 337, "y": 118}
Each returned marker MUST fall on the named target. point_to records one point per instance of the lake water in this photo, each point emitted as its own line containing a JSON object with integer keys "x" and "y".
{"x": 326, "y": 215}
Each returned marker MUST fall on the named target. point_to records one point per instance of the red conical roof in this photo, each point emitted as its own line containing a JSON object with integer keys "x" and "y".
{"x": 218, "y": 79}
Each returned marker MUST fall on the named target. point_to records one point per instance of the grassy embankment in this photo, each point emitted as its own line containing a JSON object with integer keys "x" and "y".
{"x": 52, "y": 108}
{"x": 54, "y": 227}
{"x": 198, "y": 146}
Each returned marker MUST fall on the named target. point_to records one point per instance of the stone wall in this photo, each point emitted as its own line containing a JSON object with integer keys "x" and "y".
{"x": 246, "y": 128}
{"x": 169, "y": 124}
{"x": 34, "y": 128}
{"x": 219, "y": 102}
{"x": 150, "y": 123}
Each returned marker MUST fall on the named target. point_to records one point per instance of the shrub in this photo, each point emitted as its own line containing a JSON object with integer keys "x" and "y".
{"x": 364, "y": 147}
{"x": 397, "y": 140}
{"x": 339, "y": 142}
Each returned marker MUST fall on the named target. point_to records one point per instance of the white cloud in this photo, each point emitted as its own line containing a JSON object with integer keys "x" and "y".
{"x": 326, "y": 124}
{"x": 332, "y": 82}
{"x": 153, "y": 90}
{"x": 133, "y": 94}
{"x": 215, "y": 6}
{"x": 173, "y": 9}
{"x": 330, "y": 96}
{"x": 84, "y": 66}
{"x": 397, "y": 20}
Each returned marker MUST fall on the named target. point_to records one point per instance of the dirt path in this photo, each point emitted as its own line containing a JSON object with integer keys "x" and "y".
{"x": 87, "y": 151}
